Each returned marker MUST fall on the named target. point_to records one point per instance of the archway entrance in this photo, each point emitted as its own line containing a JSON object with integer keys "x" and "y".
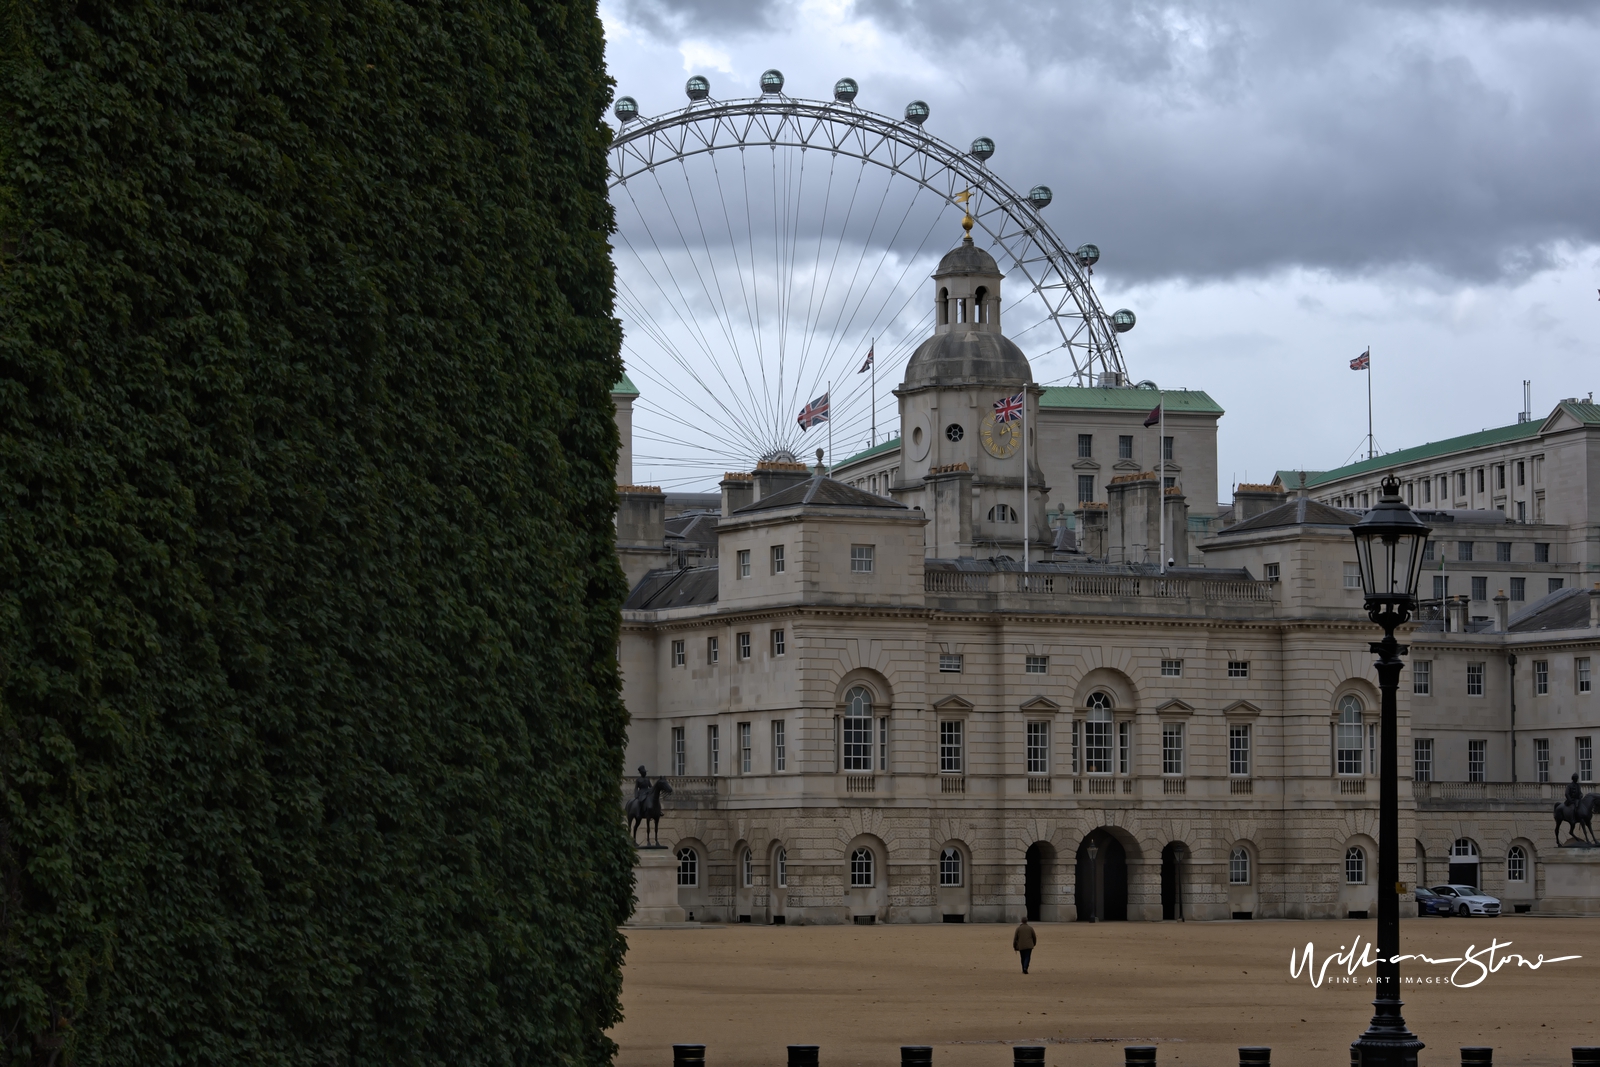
{"x": 1102, "y": 880}
{"x": 1172, "y": 880}
{"x": 1464, "y": 863}
{"x": 1038, "y": 875}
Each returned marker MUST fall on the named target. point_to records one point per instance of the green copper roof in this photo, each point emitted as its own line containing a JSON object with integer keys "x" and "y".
{"x": 624, "y": 387}
{"x": 1585, "y": 412}
{"x": 1178, "y": 401}
{"x": 887, "y": 446}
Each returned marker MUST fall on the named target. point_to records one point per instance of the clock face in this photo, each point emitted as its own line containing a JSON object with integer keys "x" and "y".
{"x": 1001, "y": 439}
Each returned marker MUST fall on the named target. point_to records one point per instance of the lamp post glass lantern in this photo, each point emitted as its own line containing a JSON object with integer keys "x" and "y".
{"x": 1389, "y": 540}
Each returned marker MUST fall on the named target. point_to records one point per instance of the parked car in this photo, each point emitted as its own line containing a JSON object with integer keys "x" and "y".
{"x": 1464, "y": 900}
{"x": 1429, "y": 902}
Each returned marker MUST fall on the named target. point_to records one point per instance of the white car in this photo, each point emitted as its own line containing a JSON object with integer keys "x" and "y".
{"x": 1464, "y": 900}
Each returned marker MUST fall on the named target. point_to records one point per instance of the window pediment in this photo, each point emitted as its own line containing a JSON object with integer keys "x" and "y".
{"x": 1175, "y": 707}
{"x": 1241, "y": 709}
{"x": 1042, "y": 705}
{"x": 953, "y": 703}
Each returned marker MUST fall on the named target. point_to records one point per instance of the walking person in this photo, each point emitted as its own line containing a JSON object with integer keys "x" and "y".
{"x": 1023, "y": 941}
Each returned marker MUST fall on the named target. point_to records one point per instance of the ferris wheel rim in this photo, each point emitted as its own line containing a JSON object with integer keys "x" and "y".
{"x": 1020, "y": 222}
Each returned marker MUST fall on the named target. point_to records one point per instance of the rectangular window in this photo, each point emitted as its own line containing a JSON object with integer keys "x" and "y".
{"x": 861, "y": 559}
{"x": 1172, "y": 748}
{"x": 1166, "y": 448}
{"x": 1238, "y": 867}
{"x": 883, "y": 743}
{"x": 777, "y": 643}
{"x": 1441, "y": 586}
{"x": 1541, "y": 758}
{"x": 1461, "y": 483}
{"x": 1097, "y": 746}
{"x": 1238, "y": 668}
{"x": 713, "y": 651}
{"x": 1475, "y": 760}
{"x": 1585, "y": 759}
{"x": 1037, "y": 665}
{"x": 1124, "y": 745}
{"x": 1348, "y": 754}
{"x": 1500, "y": 476}
{"x": 714, "y": 747}
{"x": 1556, "y": 584}
{"x": 1427, "y": 491}
{"x": 1480, "y": 587}
{"x": 744, "y": 748}
{"x": 1522, "y": 511}
{"x": 679, "y": 756}
{"x": 1541, "y": 552}
{"x": 1422, "y": 677}
{"x": 744, "y": 563}
{"x": 1580, "y": 667}
{"x": 858, "y": 737}
{"x": 1076, "y": 728}
{"x": 1475, "y": 679}
{"x": 678, "y": 658}
{"x": 1444, "y": 487}
{"x": 1464, "y": 550}
{"x": 1541, "y": 677}
{"x": 1427, "y": 550}
{"x": 780, "y": 750}
{"x": 1239, "y": 748}
{"x": 1479, "y": 478}
{"x": 1422, "y": 759}
{"x": 1372, "y": 748}
{"x": 1038, "y": 748}
{"x": 1519, "y": 589}
{"x": 1522, "y": 473}
{"x": 1085, "y": 445}
{"x": 949, "y": 867}
{"x": 1169, "y": 482}
{"x": 1502, "y": 551}
{"x": 950, "y": 747}
{"x": 1352, "y": 576}
{"x": 1125, "y": 446}
{"x": 1270, "y": 572}
{"x": 777, "y": 559}
{"x": 1172, "y": 668}
{"x": 744, "y": 645}
{"x": 949, "y": 663}
{"x": 1085, "y": 488}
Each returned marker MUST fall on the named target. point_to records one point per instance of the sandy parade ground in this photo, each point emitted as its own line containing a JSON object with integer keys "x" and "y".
{"x": 1196, "y": 990}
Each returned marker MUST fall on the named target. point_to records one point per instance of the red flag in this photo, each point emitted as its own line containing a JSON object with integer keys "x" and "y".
{"x": 1363, "y": 361}
{"x": 1154, "y": 416}
{"x": 868, "y": 364}
{"x": 814, "y": 412}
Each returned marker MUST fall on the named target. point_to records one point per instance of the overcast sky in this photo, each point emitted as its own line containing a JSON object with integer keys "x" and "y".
{"x": 1274, "y": 186}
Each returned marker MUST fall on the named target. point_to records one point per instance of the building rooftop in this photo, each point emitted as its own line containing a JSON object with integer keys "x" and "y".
{"x": 624, "y": 387}
{"x": 820, "y": 491}
{"x": 891, "y": 445}
{"x": 1301, "y": 511}
{"x": 1178, "y": 401}
{"x": 1565, "y": 609}
{"x": 673, "y": 588}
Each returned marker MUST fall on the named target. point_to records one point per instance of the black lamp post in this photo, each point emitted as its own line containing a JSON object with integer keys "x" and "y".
{"x": 1389, "y": 542}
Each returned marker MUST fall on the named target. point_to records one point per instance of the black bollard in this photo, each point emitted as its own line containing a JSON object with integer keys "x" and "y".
{"x": 803, "y": 1055}
{"x": 1255, "y": 1056}
{"x": 1029, "y": 1054}
{"x": 1585, "y": 1056}
{"x": 688, "y": 1056}
{"x": 915, "y": 1055}
{"x": 1476, "y": 1057}
{"x": 1139, "y": 1055}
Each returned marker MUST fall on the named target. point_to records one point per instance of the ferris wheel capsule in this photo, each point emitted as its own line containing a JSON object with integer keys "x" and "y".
{"x": 1040, "y": 196}
{"x": 1122, "y": 320}
{"x": 697, "y": 88}
{"x": 1088, "y": 255}
{"x": 845, "y": 90}
{"x": 982, "y": 148}
{"x": 772, "y": 82}
{"x": 916, "y": 112}
{"x": 626, "y": 109}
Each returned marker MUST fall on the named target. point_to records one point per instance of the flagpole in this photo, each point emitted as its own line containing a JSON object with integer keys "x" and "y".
{"x": 830, "y": 427}
{"x": 1025, "y": 478}
{"x": 1161, "y": 478}
{"x": 872, "y": 354}
{"x": 1371, "y": 447}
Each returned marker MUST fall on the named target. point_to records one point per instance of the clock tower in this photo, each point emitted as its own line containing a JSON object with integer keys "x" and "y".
{"x": 961, "y": 407}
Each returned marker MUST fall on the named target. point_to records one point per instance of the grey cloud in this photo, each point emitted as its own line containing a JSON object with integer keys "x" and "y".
{"x": 669, "y": 18}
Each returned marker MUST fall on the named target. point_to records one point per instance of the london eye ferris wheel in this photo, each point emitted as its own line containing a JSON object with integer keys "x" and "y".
{"x": 766, "y": 245}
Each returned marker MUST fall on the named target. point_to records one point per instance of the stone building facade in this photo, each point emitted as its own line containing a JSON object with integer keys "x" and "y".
{"x": 871, "y": 708}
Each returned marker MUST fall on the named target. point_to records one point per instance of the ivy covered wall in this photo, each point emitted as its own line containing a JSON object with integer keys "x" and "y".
{"x": 310, "y": 730}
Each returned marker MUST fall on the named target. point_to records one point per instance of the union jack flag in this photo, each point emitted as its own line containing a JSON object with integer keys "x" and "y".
{"x": 1363, "y": 361}
{"x": 814, "y": 412}
{"x": 1008, "y": 409}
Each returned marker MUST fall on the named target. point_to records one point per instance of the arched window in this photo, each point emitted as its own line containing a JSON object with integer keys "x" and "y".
{"x": 858, "y": 730}
{"x": 1516, "y": 864}
{"x": 1002, "y": 513}
{"x": 950, "y": 867}
{"x": 861, "y": 868}
{"x": 748, "y": 862}
{"x": 783, "y": 868}
{"x": 1463, "y": 849}
{"x": 1355, "y": 866}
{"x": 980, "y": 305}
{"x": 944, "y": 307}
{"x": 1239, "y": 867}
{"x": 1097, "y": 734}
{"x": 688, "y": 867}
{"x": 961, "y": 309}
{"x": 1349, "y": 739}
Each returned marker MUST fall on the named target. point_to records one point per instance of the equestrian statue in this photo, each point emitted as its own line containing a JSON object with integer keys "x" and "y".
{"x": 645, "y": 807}
{"x": 1577, "y": 809}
